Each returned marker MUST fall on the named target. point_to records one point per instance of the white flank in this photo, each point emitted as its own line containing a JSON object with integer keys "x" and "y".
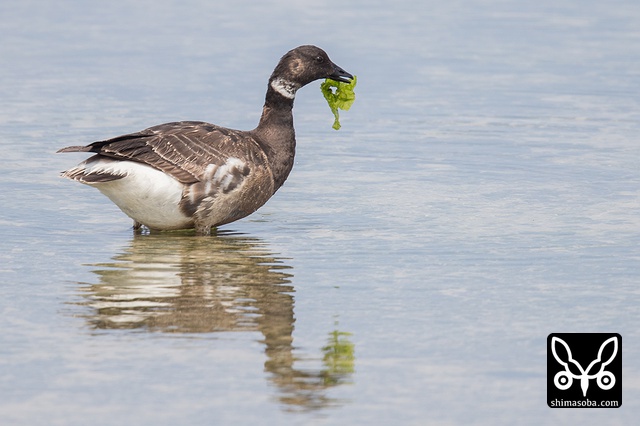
{"x": 224, "y": 175}
{"x": 284, "y": 87}
{"x": 145, "y": 194}
{"x": 221, "y": 177}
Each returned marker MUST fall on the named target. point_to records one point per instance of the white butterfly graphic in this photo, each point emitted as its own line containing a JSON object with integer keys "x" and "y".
{"x": 564, "y": 379}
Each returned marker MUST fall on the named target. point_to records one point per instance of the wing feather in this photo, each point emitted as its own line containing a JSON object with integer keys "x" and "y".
{"x": 182, "y": 149}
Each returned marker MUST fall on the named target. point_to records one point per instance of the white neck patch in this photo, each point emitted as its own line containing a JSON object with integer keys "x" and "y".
{"x": 285, "y": 88}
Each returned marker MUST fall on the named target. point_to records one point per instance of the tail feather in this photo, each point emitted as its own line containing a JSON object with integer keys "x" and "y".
{"x": 77, "y": 148}
{"x": 81, "y": 175}
{"x": 96, "y": 169}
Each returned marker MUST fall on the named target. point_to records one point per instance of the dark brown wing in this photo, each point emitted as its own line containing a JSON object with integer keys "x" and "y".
{"x": 182, "y": 149}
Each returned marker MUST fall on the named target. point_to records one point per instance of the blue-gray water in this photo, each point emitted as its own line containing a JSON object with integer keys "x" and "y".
{"x": 483, "y": 192}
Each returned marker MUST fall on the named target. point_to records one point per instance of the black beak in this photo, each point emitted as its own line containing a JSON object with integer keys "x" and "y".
{"x": 340, "y": 75}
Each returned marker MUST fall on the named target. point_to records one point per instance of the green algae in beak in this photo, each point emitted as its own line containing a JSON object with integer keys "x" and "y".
{"x": 341, "y": 98}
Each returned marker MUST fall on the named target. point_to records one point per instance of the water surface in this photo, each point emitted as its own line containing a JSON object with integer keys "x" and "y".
{"x": 482, "y": 193}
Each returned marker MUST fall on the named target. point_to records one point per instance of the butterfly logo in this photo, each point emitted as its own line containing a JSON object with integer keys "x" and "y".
{"x": 573, "y": 370}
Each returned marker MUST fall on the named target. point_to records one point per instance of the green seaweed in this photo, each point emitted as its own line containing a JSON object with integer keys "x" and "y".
{"x": 341, "y": 98}
{"x": 339, "y": 358}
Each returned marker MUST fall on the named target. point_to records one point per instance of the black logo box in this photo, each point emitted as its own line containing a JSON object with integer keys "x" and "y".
{"x": 584, "y": 370}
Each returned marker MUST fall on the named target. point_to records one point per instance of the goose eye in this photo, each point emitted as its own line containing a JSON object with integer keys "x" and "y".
{"x": 319, "y": 59}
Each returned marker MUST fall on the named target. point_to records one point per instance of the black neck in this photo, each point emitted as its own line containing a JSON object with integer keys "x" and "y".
{"x": 275, "y": 132}
{"x": 277, "y": 110}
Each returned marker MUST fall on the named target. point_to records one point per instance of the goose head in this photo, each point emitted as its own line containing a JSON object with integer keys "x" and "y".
{"x": 301, "y": 66}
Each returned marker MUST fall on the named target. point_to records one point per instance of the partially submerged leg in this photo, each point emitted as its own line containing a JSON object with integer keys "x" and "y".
{"x": 203, "y": 230}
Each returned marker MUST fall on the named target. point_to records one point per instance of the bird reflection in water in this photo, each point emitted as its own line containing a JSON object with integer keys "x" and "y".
{"x": 176, "y": 283}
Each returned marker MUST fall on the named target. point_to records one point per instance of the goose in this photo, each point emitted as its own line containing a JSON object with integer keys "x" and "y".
{"x": 193, "y": 174}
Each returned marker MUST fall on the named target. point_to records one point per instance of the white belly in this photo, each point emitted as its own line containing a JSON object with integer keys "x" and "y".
{"x": 145, "y": 194}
